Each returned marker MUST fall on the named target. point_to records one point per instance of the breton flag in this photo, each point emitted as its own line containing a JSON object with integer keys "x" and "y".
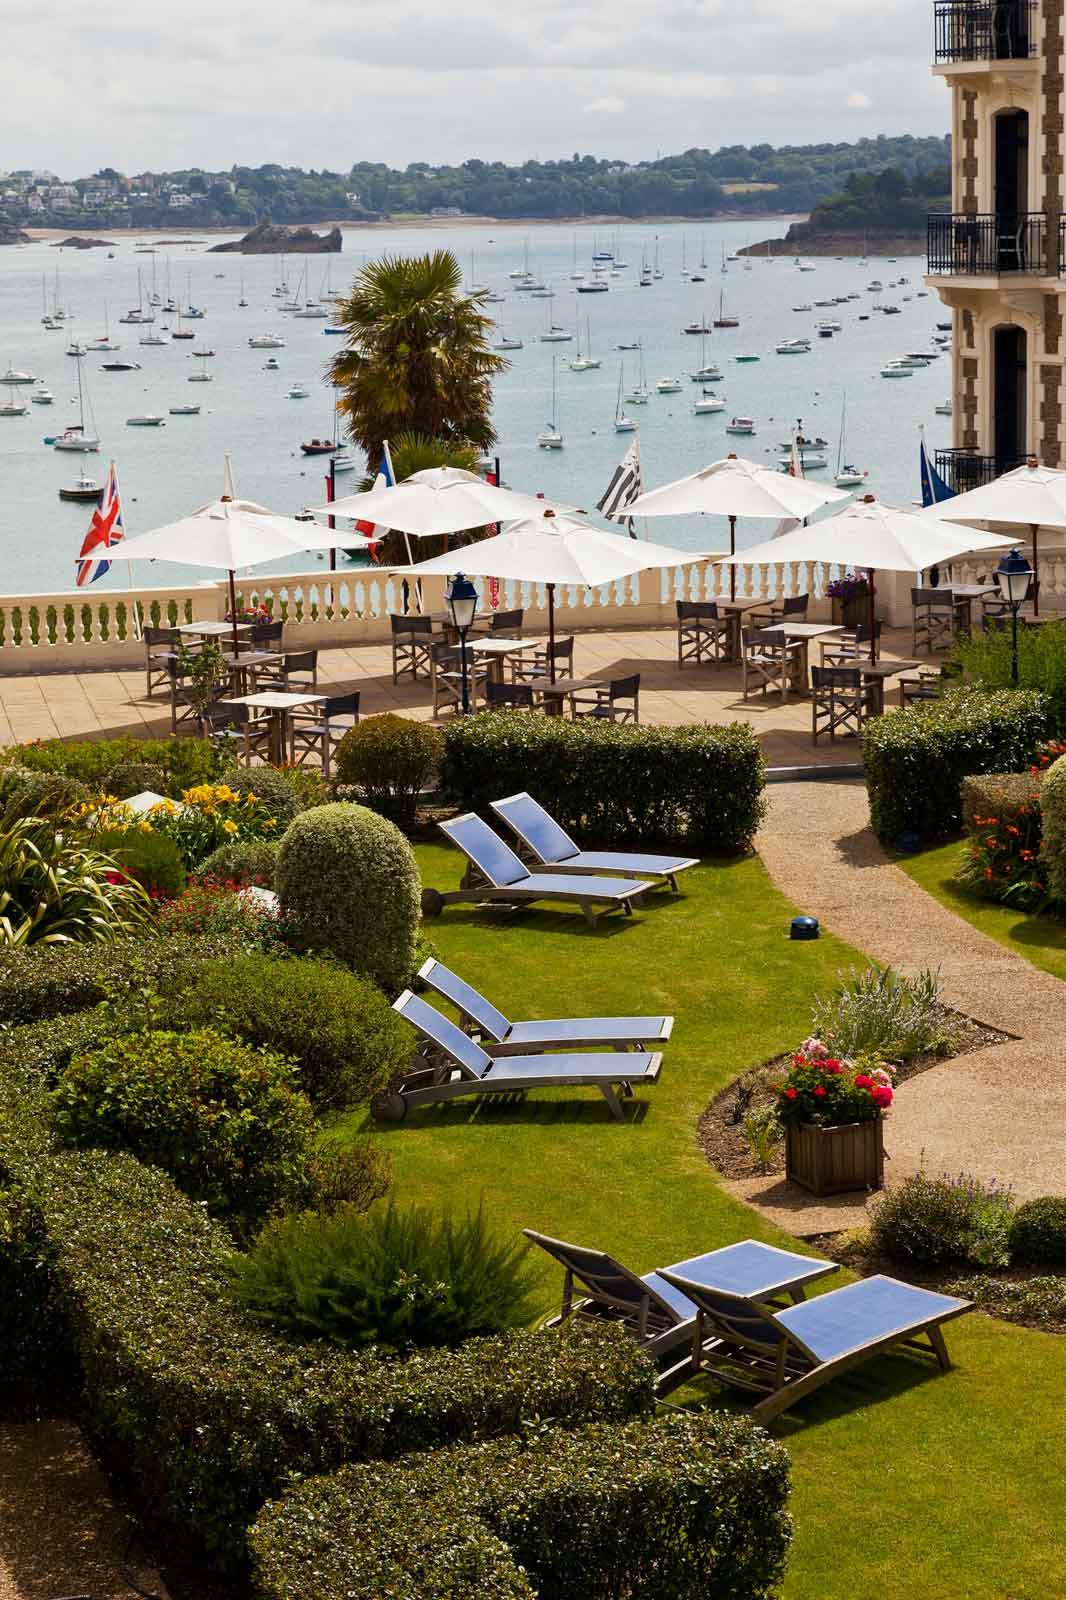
{"x": 105, "y": 531}
{"x": 386, "y": 479}
{"x": 934, "y": 488}
{"x": 624, "y": 487}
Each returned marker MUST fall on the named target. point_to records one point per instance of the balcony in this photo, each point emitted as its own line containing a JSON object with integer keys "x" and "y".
{"x": 999, "y": 30}
{"x": 965, "y": 469}
{"x": 975, "y": 244}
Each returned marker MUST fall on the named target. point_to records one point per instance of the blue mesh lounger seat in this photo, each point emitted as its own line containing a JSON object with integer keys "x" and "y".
{"x": 661, "y": 1317}
{"x": 496, "y": 876}
{"x": 784, "y": 1355}
{"x": 452, "y": 1064}
{"x": 502, "y": 1037}
{"x": 555, "y": 851}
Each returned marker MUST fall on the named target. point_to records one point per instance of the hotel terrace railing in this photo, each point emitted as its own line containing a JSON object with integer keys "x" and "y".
{"x": 982, "y": 244}
{"x": 965, "y": 469}
{"x": 965, "y": 30}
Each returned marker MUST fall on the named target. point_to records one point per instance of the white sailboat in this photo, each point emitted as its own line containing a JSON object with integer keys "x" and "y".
{"x": 622, "y": 423}
{"x": 75, "y": 437}
{"x": 550, "y": 438}
{"x": 640, "y": 394}
{"x": 12, "y": 406}
{"x": 847, "y": 476}
{"x": 586, "y": 362}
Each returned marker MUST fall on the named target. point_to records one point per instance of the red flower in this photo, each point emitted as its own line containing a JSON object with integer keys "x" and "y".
{"x": 819, "y": 1091}
{"x": 881, "y": 1094}
{"x": 833, "y": 1067}
{"x": 799, "y": 1060}
{"x": 790, "y": 1094}
{"x": 862, "y": 1081}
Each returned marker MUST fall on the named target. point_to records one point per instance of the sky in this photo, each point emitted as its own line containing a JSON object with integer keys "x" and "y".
{"x": 210, "y": 83}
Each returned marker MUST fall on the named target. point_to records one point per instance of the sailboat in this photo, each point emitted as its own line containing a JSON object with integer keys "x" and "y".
{"x": 703, "y": 252}
{"x": 645, "y": 269}
{"x": 847, "y": 475}
{"x": 550, "y": 437}
{"x": 554, "y": 334}
{"x": 105, "y": 342}
{"x": 721, "y": 320}
{"x": 656, "y": 270}
{"x": 576, "y": 276}
{"x": 622, "y": 423}
{"x": 242, "y": 301}
{"x": 475, "y": 287}
{"x": 75, "y": 437}
{"x": 179, "y": 332}
{"x": 203, "y": 376}
{"x": 139, "y": 314}
{"x": 12, "y": 406}
{"x": 504, "y": 343}
{"x": 684, "y": 263}
{"x": 705, "y": 373}
{"x": 586, "y": 362}
{"x": 640, "y": 394}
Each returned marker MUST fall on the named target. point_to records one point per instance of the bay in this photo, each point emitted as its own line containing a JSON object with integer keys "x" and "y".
{"x": 166, "y": 472}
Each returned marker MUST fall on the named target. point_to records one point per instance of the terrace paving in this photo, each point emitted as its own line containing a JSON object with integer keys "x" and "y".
{"x": 99, "y": 703}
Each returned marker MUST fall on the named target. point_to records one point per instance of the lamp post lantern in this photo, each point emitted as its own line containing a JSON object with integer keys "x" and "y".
{"x": 462, "y": 603}
{"x": 1014, "y": 575}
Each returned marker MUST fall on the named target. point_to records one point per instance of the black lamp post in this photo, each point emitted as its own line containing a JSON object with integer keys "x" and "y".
{"x": 1014, "y": 575}
{"x": 462, "y": 603}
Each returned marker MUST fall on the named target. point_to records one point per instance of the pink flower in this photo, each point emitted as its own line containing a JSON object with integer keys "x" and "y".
{"x": 815, "y": 1049}
{"x": 884, "y": 1075}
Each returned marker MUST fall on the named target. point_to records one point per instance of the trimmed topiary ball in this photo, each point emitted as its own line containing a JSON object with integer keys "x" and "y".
{"x": 390, "y": 760}
{"x": 244, "y": 861}
{"x": 349, "y": 885}
{"x": 273, "y": 788}
{"x": 1038, "y": 1232}
{"x": 1053, "y": 819}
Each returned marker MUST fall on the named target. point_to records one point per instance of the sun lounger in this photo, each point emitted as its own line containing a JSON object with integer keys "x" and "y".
{"x": 503, "y": 1037}
{"x": 454, "y": 1065}
{"x": 555, "y": 851}
{"x": 784, "y": 1355}
{"x": 496, "y": 876}
{"x": 661, "y": 1317}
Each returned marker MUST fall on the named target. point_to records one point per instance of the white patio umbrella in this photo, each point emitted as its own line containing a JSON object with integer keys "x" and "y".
{"x": 1030, "y": 496}
{"x": 736, "y": 488}
{"x": 875, "y": 536}
{"x": 227, "y": 534}
{"x": 553, "y": 549}
{"x": 438, "y": 500}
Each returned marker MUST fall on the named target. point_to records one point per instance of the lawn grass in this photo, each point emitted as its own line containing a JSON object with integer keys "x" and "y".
{"x": 904, "y": 1482}
{"x": 1040, "y": 940}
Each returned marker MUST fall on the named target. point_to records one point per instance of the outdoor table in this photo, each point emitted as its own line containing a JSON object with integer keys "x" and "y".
{"x": 876, "y": 674}
{"x": 214, "y": 630}
{"x": 498, "y": 650}
{"x": 553, "y": 694}
{"x": 243, "y": 669}
{"x": 804, "y": 632}
{"x": 756, "y": 1271}
{"x": 734, "y": 612}
{"x": 278, "y": 703}
{"x": 444, "y": 621}
{"x": 967, "y": 593}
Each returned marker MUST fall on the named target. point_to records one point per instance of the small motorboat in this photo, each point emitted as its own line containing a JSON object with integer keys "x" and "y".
{"x": 707, "y": 404}
{"x": 204, "y": 353}
{"x": 634, "y": 346}
{"x": 342, "y": 461}
{"x": 76, "y": 349}
{"x": 803, "y": 308}
{"x": 504, "y": 343}
{"x": 148, "y": 420}
{"x": 271, "y": 366}
{"x": 711, "y": 374}
{"x": 120, "y": 366}
{"x": 668, "y": 386}
{"x": 746, "y": 357}
{"x": 184, "y": 411}
{"x": 740, "y": 425}
{"x": 266, "y": 341}
{"x": 550, "y": 438}
{"x": 299, "y": 392}
{"x": 85, "y": 489}
{"x": 897, "y": 369}
{"x": 319, "y": 447}
{"x": 794, "y": 347}
{"x": 329, "y": 328}
{"x": 42, "y": 397}
{"x": 13, "y": 376}
{"x": 696, "y": 327}
{"x": 152, "y": 338}
{"x": 942, "y": 410}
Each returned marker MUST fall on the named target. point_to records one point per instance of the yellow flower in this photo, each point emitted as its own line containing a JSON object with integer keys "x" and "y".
{"x": 270, "y": 822}
{"x": 251, "y": 799}
{"x": 145, "y": 827}
{"x": 229, "y": 826}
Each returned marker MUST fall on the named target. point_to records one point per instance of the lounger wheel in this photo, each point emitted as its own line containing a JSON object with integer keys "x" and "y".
{"x": 389, "y": 1106}
{"x": 432, "y": 902}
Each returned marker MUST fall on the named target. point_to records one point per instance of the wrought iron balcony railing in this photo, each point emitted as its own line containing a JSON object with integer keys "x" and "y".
{"x": 965, "y": 469}
{"x": 997, "y": 30}
{"x": 964, "y": 242}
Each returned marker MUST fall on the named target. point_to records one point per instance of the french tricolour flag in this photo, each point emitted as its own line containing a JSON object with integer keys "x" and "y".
{"x": 386, "y": 479}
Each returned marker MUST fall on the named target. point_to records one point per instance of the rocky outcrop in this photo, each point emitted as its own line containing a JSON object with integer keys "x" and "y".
{"x": 79, "y": 241}
{"x": 800, "y": 243}
{"x": 269, "y": 239}
{"x": 9, "y": 234}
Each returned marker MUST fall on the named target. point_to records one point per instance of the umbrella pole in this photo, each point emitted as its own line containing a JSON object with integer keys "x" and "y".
{"x": 551, "y": 633}
{"x": 233, "y": 612}
{"x": 1036, "y": 571}
{"x": 873, "y": 617}
{"x": 732, "y": 552}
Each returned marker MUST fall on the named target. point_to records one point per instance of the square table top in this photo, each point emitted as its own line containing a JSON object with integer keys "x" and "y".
{"x": 969, "y": 591}
{"x": 739, "y": 605}
{"x": 502, "y": 647}
{"x": 214, "y": 630}
{"x": 275, "y": 700}
{"x": 756, "y": 1271}
{"x": 804, "y": 630}
{"x": 884, "y": 669}
{"x": 564, "y": 686}
{"x": 253, "y": 658}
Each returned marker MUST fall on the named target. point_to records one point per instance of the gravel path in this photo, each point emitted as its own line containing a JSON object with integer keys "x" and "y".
{"x": 998, "y": 1113}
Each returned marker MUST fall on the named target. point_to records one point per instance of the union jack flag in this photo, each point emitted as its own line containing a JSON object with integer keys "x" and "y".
{"x": 105, "y": 531}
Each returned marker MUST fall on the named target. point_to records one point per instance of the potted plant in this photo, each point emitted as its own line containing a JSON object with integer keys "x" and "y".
{"x": 831, "y": 1110}
{"x": 851, "y": 600}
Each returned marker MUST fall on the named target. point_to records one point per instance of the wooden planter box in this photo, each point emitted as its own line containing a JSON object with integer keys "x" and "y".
{"x": 834, "y": 1160}
{"x": 853, "y": 613}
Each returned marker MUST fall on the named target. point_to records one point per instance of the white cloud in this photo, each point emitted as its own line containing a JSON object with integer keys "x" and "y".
{"x": 209, "y": 84}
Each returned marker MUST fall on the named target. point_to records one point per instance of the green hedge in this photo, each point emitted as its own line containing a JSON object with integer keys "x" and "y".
{"x": 916, "y": 759}
{"x": 184, "y": 762}
{"x": 699, "y": 787}
{"x": 206, "y": 1416}
{"x": 1053, "y": 816}
{"x": 687, "y": 1506}
{"x": 50, "y": 981}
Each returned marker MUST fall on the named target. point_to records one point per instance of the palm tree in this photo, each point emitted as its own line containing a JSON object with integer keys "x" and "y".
{"x": 417, "y": 358}
{"x": 410, "y": 453}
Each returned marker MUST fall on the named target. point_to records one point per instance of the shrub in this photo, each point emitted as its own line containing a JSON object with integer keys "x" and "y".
{"x": 338, "y": 1026}
{"x": 152, "y": 859}
{"x": 392, "y": 1279}
{"x": 209, "y": 1415}
{"x": 128, "y": 778}
{"x": 390, "y": 760}
{"x": 51, "y": 980}
{"x": 24, "y": 793}
{"x": 271, "y": 787}
{"x": 308, "y": 785}
{"x": 1038, "y": 1232}
{"x": 916, "y": 759}
{"x": 1039, "y": 1302}
{"x": 57, "y": 888}
{"x": 880, "y": 1012}
{"x": 225, "y": 1121}
{"x": 929, "y": 1221}
{"x": 1002, "y": 818}
{"x": 1053, "y": 817}
{"x": 986, "y": 660}
{"x": 348, "y": 885}
{"x": 247, "y": 861}
{"x": 224, "y": 912}
{"x": 210, "y": 815}
{"x": 831, "y": 1091}
{"x": 699, "y": 787}
{"x": 351, "y": 1175}
{"x": 92, "y": 761}
{"x": 686, "y": 1506}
